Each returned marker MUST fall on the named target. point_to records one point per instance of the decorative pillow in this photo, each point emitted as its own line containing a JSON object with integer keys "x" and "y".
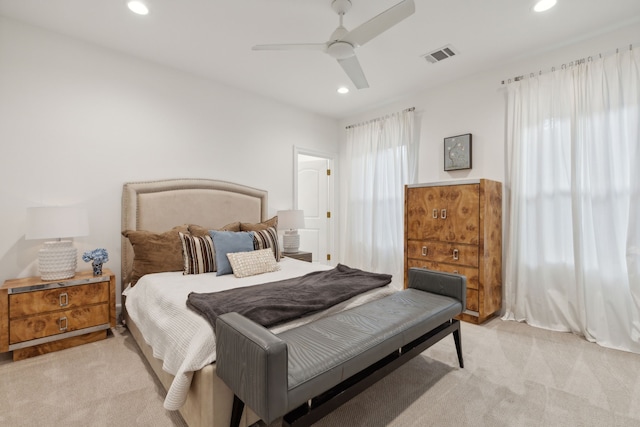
{"x": 247, "y": 226}
{"x": 225, "y": 242}
{"x": 251, "y": 263}
{"x": 265, "y": 239}
{"x": 155, "y": 252}
{"x": 199, "y": 231}
{"x": 197, "y": 254}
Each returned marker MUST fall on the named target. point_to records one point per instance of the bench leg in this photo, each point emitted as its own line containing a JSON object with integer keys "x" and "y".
{"x": 236, "y": 411}
{"x": 456, "y": 339}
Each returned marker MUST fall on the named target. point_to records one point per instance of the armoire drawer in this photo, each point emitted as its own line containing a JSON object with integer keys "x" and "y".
{"x": 470, "y": 273}
{"x": 450, "y": 253}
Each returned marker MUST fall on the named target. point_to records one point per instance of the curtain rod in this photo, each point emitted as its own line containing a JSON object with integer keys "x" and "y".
{"x": 563, "y": 66}
{"x": 407, "y": 110}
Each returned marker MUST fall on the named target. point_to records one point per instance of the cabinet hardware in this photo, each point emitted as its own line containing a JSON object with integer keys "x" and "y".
{"x": 455, "y": 254}
{"x": 424, "y": 251}
{"x": 63, "y": 323}
{"x": 64, "y": 299}
{"x": 443, "y": 214}
{"x": 435, "y": 213}
{"x": 455, "y": 272}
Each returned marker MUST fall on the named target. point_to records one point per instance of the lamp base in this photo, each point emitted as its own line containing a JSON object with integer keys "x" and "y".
{"x": 57, "y": 260}
{"x": 291, "y": 241}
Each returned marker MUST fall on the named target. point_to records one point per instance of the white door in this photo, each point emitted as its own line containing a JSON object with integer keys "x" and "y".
{"x": 314, "y": 199}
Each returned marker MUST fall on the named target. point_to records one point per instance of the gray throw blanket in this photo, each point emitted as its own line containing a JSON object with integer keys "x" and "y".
{"x": 277, "y": 302}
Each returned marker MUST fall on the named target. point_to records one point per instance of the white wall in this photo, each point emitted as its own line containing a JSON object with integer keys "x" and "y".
{"x": 476, "y": 105}
{"x": 77, "y": 121}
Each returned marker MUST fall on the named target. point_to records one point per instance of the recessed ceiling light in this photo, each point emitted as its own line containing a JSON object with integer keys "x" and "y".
{"x": 543, "y": 5}
{"x": 138, "y": 7}
{"x": 342, "y": 90}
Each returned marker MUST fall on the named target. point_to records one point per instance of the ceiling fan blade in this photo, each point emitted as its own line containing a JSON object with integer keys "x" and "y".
{"x": 352, "y": 67}
{"x": 380, "y": 23}
{"x": 301, "y": 46}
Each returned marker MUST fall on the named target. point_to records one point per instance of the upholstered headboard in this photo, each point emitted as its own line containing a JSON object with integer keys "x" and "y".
{"x": 159, "y": 206}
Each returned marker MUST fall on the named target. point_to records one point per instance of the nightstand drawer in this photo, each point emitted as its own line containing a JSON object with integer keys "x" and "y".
{"x": 34, "y": 327}
{"x": 50, "y": 300}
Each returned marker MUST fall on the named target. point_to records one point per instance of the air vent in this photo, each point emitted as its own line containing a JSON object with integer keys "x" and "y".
{"x": 440, "y": 54}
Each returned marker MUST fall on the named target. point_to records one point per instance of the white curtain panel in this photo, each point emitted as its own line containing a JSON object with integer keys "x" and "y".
{"x": 381, "y": 157}
{"x": 573, "y": 241}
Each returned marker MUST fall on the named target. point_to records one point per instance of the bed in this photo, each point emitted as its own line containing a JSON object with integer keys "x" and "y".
{"x": 189, "y": 204}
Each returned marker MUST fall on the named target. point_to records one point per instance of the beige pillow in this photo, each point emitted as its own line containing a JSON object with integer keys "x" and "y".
{"x": 199, "y": 231}
{"x": 251, "y": 263}
{"x": 155, "y": 252}
{"x": 247, "y": 226}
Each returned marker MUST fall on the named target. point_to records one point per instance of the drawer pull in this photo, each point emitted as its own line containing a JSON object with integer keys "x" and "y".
{"x": 424, "y": 251}
{"x": 443, "y": 214}
{"x": 455, "y": 272}
{"x": 64, "y": 299}
{"x": 63, "y": 323}
{"x": 435, "y": 213}
{"x": 456, "y": 254}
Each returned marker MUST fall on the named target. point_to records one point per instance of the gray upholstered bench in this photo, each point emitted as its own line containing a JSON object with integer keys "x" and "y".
{"x": 304, "y": 373}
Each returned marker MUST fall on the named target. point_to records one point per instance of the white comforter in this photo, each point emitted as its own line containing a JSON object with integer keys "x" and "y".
{"x": 183, "y": 339}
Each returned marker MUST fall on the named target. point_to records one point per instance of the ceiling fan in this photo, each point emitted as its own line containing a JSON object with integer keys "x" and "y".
{"x": 342, "y": 43}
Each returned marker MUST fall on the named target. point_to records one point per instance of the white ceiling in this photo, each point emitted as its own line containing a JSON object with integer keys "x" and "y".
{"x": 213, "y": 38}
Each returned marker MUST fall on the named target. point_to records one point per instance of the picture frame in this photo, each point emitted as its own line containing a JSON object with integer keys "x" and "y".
{"x": 457, "y": 152}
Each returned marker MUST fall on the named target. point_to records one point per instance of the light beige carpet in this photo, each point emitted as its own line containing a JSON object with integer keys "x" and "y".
{"x": 515, "y": 375}
{"x": 105, "y": 383}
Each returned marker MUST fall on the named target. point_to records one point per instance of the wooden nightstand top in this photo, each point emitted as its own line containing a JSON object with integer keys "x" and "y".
{"x": 35, "y": 283}
{"x": 302, "y": 256}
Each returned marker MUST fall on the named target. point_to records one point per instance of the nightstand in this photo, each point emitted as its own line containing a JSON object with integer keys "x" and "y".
{"x": 302, "y": 256}
{"x": 39, "y": 316}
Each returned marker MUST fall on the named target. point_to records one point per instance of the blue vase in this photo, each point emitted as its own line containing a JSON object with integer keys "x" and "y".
{"x": 97, "y": 268}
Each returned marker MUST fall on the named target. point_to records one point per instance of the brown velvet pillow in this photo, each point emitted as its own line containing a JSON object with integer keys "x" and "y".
{"x": 155, "y": 252}
{"x": 247, "y": 226}
{"x": 199, "y": 231}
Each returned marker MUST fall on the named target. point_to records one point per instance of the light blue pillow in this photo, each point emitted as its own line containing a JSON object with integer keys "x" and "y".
{"x": 226, "y": 242}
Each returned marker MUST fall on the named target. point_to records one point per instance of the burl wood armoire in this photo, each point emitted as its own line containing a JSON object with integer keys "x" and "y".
{"x": 456, "y": 226}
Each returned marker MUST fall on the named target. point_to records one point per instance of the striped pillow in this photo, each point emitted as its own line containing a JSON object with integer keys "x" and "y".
{"x": 267, "y": 238}
{"x": 198, "y": 254}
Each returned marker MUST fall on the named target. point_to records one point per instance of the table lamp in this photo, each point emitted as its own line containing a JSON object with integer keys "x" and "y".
{"x": 58, "y": 258}
{"x": 290, "y": 221}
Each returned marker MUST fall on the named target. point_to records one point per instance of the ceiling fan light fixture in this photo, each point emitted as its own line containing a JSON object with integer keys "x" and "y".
{"x": 138, "y": 7}
{"x": 343, "y": 90}
{"x": 340, "y": 50}
{"x": 543, "y": 5}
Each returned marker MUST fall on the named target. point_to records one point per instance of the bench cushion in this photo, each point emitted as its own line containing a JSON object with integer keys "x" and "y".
{"x": 326, "y": 352}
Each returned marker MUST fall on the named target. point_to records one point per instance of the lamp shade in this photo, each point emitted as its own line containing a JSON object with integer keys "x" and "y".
{"x": 55, "y": 222}
{"x": 290, "y": 220}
